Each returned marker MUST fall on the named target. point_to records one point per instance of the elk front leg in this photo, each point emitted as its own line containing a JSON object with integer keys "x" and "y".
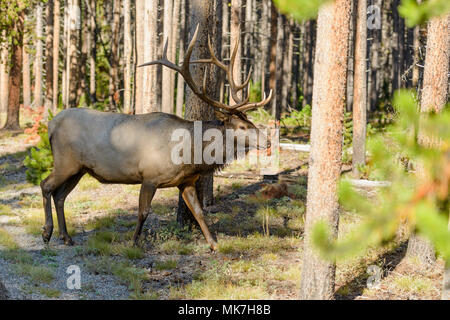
{"x": 189, "y": 195}
{"x": 145, "y": 199}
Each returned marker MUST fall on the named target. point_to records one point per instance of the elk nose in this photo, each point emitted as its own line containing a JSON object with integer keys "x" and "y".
{"x": 269, "y": 144}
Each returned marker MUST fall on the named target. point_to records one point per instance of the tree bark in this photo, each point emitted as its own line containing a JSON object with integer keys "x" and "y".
{"x": 235, "y": 33}
{"x": 446, "y": 280}
{"x": 15, "y": 76}
{"x": 93, "y": 51}
{"x": 26, "y": 76}
{"x": 180, "y": 81}
{"x": 167, "y": 74}
{"x": 127, "y": 57}
{"x": 360, "y": 89}
{"x": 148, "y": 51}
{"x": 49, "y": 57}
{"x": 114, "y": 57}
{"x": 434, "y": 98}
{"x": 38, "y": 61}
{"x": 74, "y": 25}
{"x": 4, "y": 77}
{"x": 273, "y": 55}
{"x": 318, "y": 275}
{"x": 55, "y": 48}
{"x": 207, "y": 14}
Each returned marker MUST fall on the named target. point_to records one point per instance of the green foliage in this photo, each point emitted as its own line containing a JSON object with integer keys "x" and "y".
{"x": 40, "y": 160}
{"x": 300, "y": 9}
{"x": 301, "y": 118}
{"x": 416, "y": 13}
{"x": 420, "y": 200}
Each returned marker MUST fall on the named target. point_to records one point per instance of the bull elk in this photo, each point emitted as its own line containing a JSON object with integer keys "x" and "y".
{"x": 134, "y": 149}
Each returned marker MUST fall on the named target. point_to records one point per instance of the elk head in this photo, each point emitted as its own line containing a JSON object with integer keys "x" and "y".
{"x": 232, "y": 116}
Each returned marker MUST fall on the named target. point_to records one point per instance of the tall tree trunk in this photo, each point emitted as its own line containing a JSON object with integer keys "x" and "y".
{"x": 207, "y": 14}
{"x": 273, "y": 55}
{"x": 26, "y": 76}
{"x": 65, "y": 69}
{"x": 360, "y": 89}
{"x": 73, "y": 56}
{"x": 38, "y": 61}
{"x": 93, "y": 51}
{"x": 82, "y": 43}
{"x": 263, "y": 41}
{"x": 114, "y": 57}
{"x": 167, "y": 74}
{"x": 15, "y": 76}
{"x": 56, "y": 12}
{"x": 173, "y": 49}
{"x": 235, "y": 33}
{"x": 225, "y": 48}
{"x": 4, "y": 75}
{"x": 434, "y": 98}
{"x": 127, "y": 57}
{"x": 49, "y": 57}
{"x": 180, "y": 81}
{"x": 318, "y": 275}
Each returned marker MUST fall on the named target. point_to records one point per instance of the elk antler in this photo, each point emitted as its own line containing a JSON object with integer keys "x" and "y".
{"x": 241, "y": 105}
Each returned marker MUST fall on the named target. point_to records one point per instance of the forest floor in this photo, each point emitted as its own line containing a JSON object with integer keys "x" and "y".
{"x": 260, "y": 242}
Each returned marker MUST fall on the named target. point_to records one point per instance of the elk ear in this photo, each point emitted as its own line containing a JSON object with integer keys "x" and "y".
{"x": 221, "y": 116}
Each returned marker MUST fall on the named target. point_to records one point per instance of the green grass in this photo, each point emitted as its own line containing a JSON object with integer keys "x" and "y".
{"x": 176, "y": 247}
{"x": 413, "y": 285}
{"x": 5, "y": 210}
{"x": 166, "y": 265}
{"x": 257, "y": 244}
{"x": 101, "y": 223}
{"x": 130, "y": 276}
{"x": 7, "y": 240}
{"x": 37, "y": 274}
{"x": 49, "y": 292}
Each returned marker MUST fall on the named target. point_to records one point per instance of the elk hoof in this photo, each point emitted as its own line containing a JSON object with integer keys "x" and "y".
{"x": 68, "y": 241}
{"x": 46, "y": 235}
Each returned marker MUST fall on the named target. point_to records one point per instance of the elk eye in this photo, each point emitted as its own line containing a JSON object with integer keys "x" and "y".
{"x": 242, "y": 127}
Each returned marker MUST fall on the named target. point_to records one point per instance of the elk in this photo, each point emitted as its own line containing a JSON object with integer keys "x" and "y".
{"x": 135, "y": 149}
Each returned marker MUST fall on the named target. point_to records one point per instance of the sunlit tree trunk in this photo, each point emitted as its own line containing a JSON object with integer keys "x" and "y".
{"x": 127, "y": 57}
{"x": 114, "y": 58}
{"x": 15, "y": 76}
{"x": 73, "y": 50}
{"x": 235, "y": 32}
{"x": 49, "y": 56}
{"x": 273, "y": 55}
{"x": 167, "y": 74}
{"x": 180, "y": 81}
{"x": 434, "y": 98}
{"x": 4, "y": 75}
{"x": 263, "y": 40}
{"x": 38, "y": 61}
{"x": 93, "y": 51}
{"x": 173, "y": 44}
{"x": 360, "y": 89}
{"x": 318, "y": 275}
{"x": 56, "y": 29}
{"x": 26, "y": 74}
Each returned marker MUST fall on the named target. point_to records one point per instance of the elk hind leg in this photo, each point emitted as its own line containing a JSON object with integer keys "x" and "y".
{"x": 189, "y": 195}
{"x": 59, "y": 197}
{"x": 145, "y": 200}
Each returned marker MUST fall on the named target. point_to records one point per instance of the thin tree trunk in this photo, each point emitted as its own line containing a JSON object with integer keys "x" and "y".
{"x": 446, "y": 280}
{"x": 38, "y": 61}
{"x": 180, "y": 81}
{"x": 26, "y": 77}
{"x": 56, "y": 29}
{"x": 15, "y": 76}
{"x": 263, "y": 41}
{"x": 49, "y": 57}
{"x": 114, "y": 57}
{"x": 4, "y": 75}
{"x": 360, "y": 89}
{"x": 65, "y": 69}
{"x": 318, "y": 275}
{"x": 434, "y": 98}
{"x": 149, "y": 50}
{"x": 73, "y": 56}
{"x": 167, "y": 74}
{"x": 127, "y": 57}
{"x": 207, "y": 14}
{"x": 173, "y": 49}
{"x": 93, "y": 51}
{"x": 235, "y": 33}
{"x": 82, "y": 43}
{"x": 273, "y": 55}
